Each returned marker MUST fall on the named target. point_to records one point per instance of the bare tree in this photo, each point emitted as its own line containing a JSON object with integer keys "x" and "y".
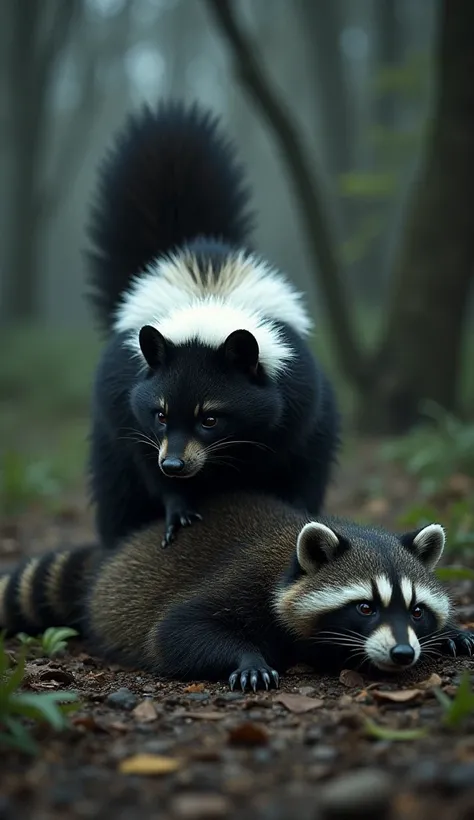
{"x": 40, "y": 34}
{"x": 417, "y": 356}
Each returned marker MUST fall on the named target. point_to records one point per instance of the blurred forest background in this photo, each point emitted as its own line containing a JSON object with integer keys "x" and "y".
{"x": 355, "y": 120}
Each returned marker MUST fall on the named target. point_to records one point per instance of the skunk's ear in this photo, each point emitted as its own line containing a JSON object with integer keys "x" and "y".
{"x": 154, "y": 347}
{"x": 426, "y": 544}
{"x": 241, "y": 351}
{"x": 316, "y": 545}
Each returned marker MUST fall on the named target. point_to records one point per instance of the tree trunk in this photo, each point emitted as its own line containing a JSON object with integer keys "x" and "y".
{"x": 37, "y": 35}
{"x": 419, "y": 354}
{"x": 20, "y": 287}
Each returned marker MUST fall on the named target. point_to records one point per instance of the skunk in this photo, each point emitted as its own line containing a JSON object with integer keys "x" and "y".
{"x": 206, "y": 380}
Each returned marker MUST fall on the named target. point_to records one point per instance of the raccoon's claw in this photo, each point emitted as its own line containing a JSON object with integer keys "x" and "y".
{"x": 459, "y": 642}
{"x": 254, "y": 676}
{"x": 175, "y": 522}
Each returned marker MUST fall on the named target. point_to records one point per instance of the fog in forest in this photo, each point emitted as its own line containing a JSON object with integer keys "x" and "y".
{"x": 353, "y": 119}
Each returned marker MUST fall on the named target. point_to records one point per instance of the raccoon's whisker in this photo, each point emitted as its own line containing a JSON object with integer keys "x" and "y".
{"x": 347, "y": 633}
{"x": 434, "y": 638}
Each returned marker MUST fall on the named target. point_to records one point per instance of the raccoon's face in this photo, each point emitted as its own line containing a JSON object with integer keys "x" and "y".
{"x": 364, "y": 596}
{"x": 203, "y": 405}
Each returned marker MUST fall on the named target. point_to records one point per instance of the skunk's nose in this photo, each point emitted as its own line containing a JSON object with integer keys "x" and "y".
{"x": 172, "y": 466}
{"x": 402, "y": 654}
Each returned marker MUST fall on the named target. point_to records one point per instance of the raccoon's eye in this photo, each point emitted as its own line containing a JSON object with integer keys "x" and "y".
{"x": 161, "y": 417}
{"x": 417, "y": 612}
{"x": 208, "y": 422}
{"x": 365, "y": 608}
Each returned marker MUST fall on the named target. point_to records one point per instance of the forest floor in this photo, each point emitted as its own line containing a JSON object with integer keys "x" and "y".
{"x": 306, "y": 751}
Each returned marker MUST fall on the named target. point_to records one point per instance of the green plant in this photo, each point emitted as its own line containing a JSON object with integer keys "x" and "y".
{"x": 23, "y": 482}
{"x": 458, "y": 520}
{"x": 457, "y": 709}
{"x": 52, "y": 642}
{"x": 435, "y": 451}
{"x": 15, "y": 706}
{"x": 387, "y": 733}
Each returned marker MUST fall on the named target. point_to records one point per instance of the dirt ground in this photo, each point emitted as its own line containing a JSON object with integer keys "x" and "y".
{"x": 300, "y": 752}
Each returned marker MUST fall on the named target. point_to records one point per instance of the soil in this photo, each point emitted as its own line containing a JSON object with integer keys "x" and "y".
{"x": 142, "y": 748}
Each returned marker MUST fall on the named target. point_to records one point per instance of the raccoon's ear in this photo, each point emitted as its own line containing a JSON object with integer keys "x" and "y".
{"x": 316, "y": 545}
{"x": 241, "y": 350}
{"x": 426, "y": 544}
{"x": 153, "y": 346}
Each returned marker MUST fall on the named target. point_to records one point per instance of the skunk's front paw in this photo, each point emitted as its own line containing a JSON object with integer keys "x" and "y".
{"x": 458, "y": 642}
{"x": 175, "y": 520}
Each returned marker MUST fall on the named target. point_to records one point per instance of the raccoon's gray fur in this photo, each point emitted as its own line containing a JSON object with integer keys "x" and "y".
{"x": 257, "y": 588}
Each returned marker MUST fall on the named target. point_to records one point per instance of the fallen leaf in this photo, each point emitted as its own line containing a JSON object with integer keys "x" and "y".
{"x": 352, "y": 679}
{"x": 204, "y": 714}
{"x": 149, "y": 764}
{"x": 145, "y": 712}
{"x": 56, "y": 676}
{"x": 431, "y": 682}
{"x": 399, "y": 696}
{"x": 118, "y": 726}
{"x": 248, "y": 734}
{"x": 90, "y": 724}
{"x": 194, "y": 687}
{"x": 299, "y": 703}
{"x": 197, "y": 806}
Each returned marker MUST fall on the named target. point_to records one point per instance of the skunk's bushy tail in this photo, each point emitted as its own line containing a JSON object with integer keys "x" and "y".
{"x": 170, "y": 177}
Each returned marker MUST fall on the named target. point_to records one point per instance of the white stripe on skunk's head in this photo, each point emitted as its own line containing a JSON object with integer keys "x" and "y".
{"x": 358, "y": 595}
{"x": 187, "y": 299}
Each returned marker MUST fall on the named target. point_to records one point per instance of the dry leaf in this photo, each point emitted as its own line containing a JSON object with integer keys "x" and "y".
{"x": 431, "y": 682}
{"x": 145, "y": 712}
{"x": 399, "y": 696}
{"x": 299, "y": 703}
{"x": 90, "y": 724}
{"x": 149, "y": 764}
{"x": 194, "y": 687}
{"x": 204, "y": 714}
{"x": 351, "y": 678}
{"x": 118, "y": 726}
{"x": 248, "y": 734}
{"x": 56, "y": 676}
{"x": 199, "y": 806}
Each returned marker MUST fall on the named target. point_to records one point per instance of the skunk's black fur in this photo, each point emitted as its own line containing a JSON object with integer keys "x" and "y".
{"x": 172, "y": 186}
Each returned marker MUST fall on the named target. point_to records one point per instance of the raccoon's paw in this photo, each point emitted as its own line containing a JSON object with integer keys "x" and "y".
{"x": 255, "y": 675}
{"x": 177, "y": 520}
{"x": 458, "y": 642}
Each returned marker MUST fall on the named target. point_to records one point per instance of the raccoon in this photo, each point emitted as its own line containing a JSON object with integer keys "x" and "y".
{"x": 266, "y": 589}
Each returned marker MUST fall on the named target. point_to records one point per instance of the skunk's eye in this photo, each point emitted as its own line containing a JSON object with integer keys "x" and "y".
{"x": 161, "y": 417}
{"x": 365, "y": 608}
{"x": 208, "y": 422}
{"x": 417, "y": 612}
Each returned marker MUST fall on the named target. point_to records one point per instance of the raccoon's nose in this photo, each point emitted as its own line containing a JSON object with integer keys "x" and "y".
{"x": 402, "y": 654}
{"x": 172, "y": 466}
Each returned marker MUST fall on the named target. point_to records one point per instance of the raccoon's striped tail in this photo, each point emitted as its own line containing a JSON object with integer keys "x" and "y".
{"x": 47, "y": 590}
